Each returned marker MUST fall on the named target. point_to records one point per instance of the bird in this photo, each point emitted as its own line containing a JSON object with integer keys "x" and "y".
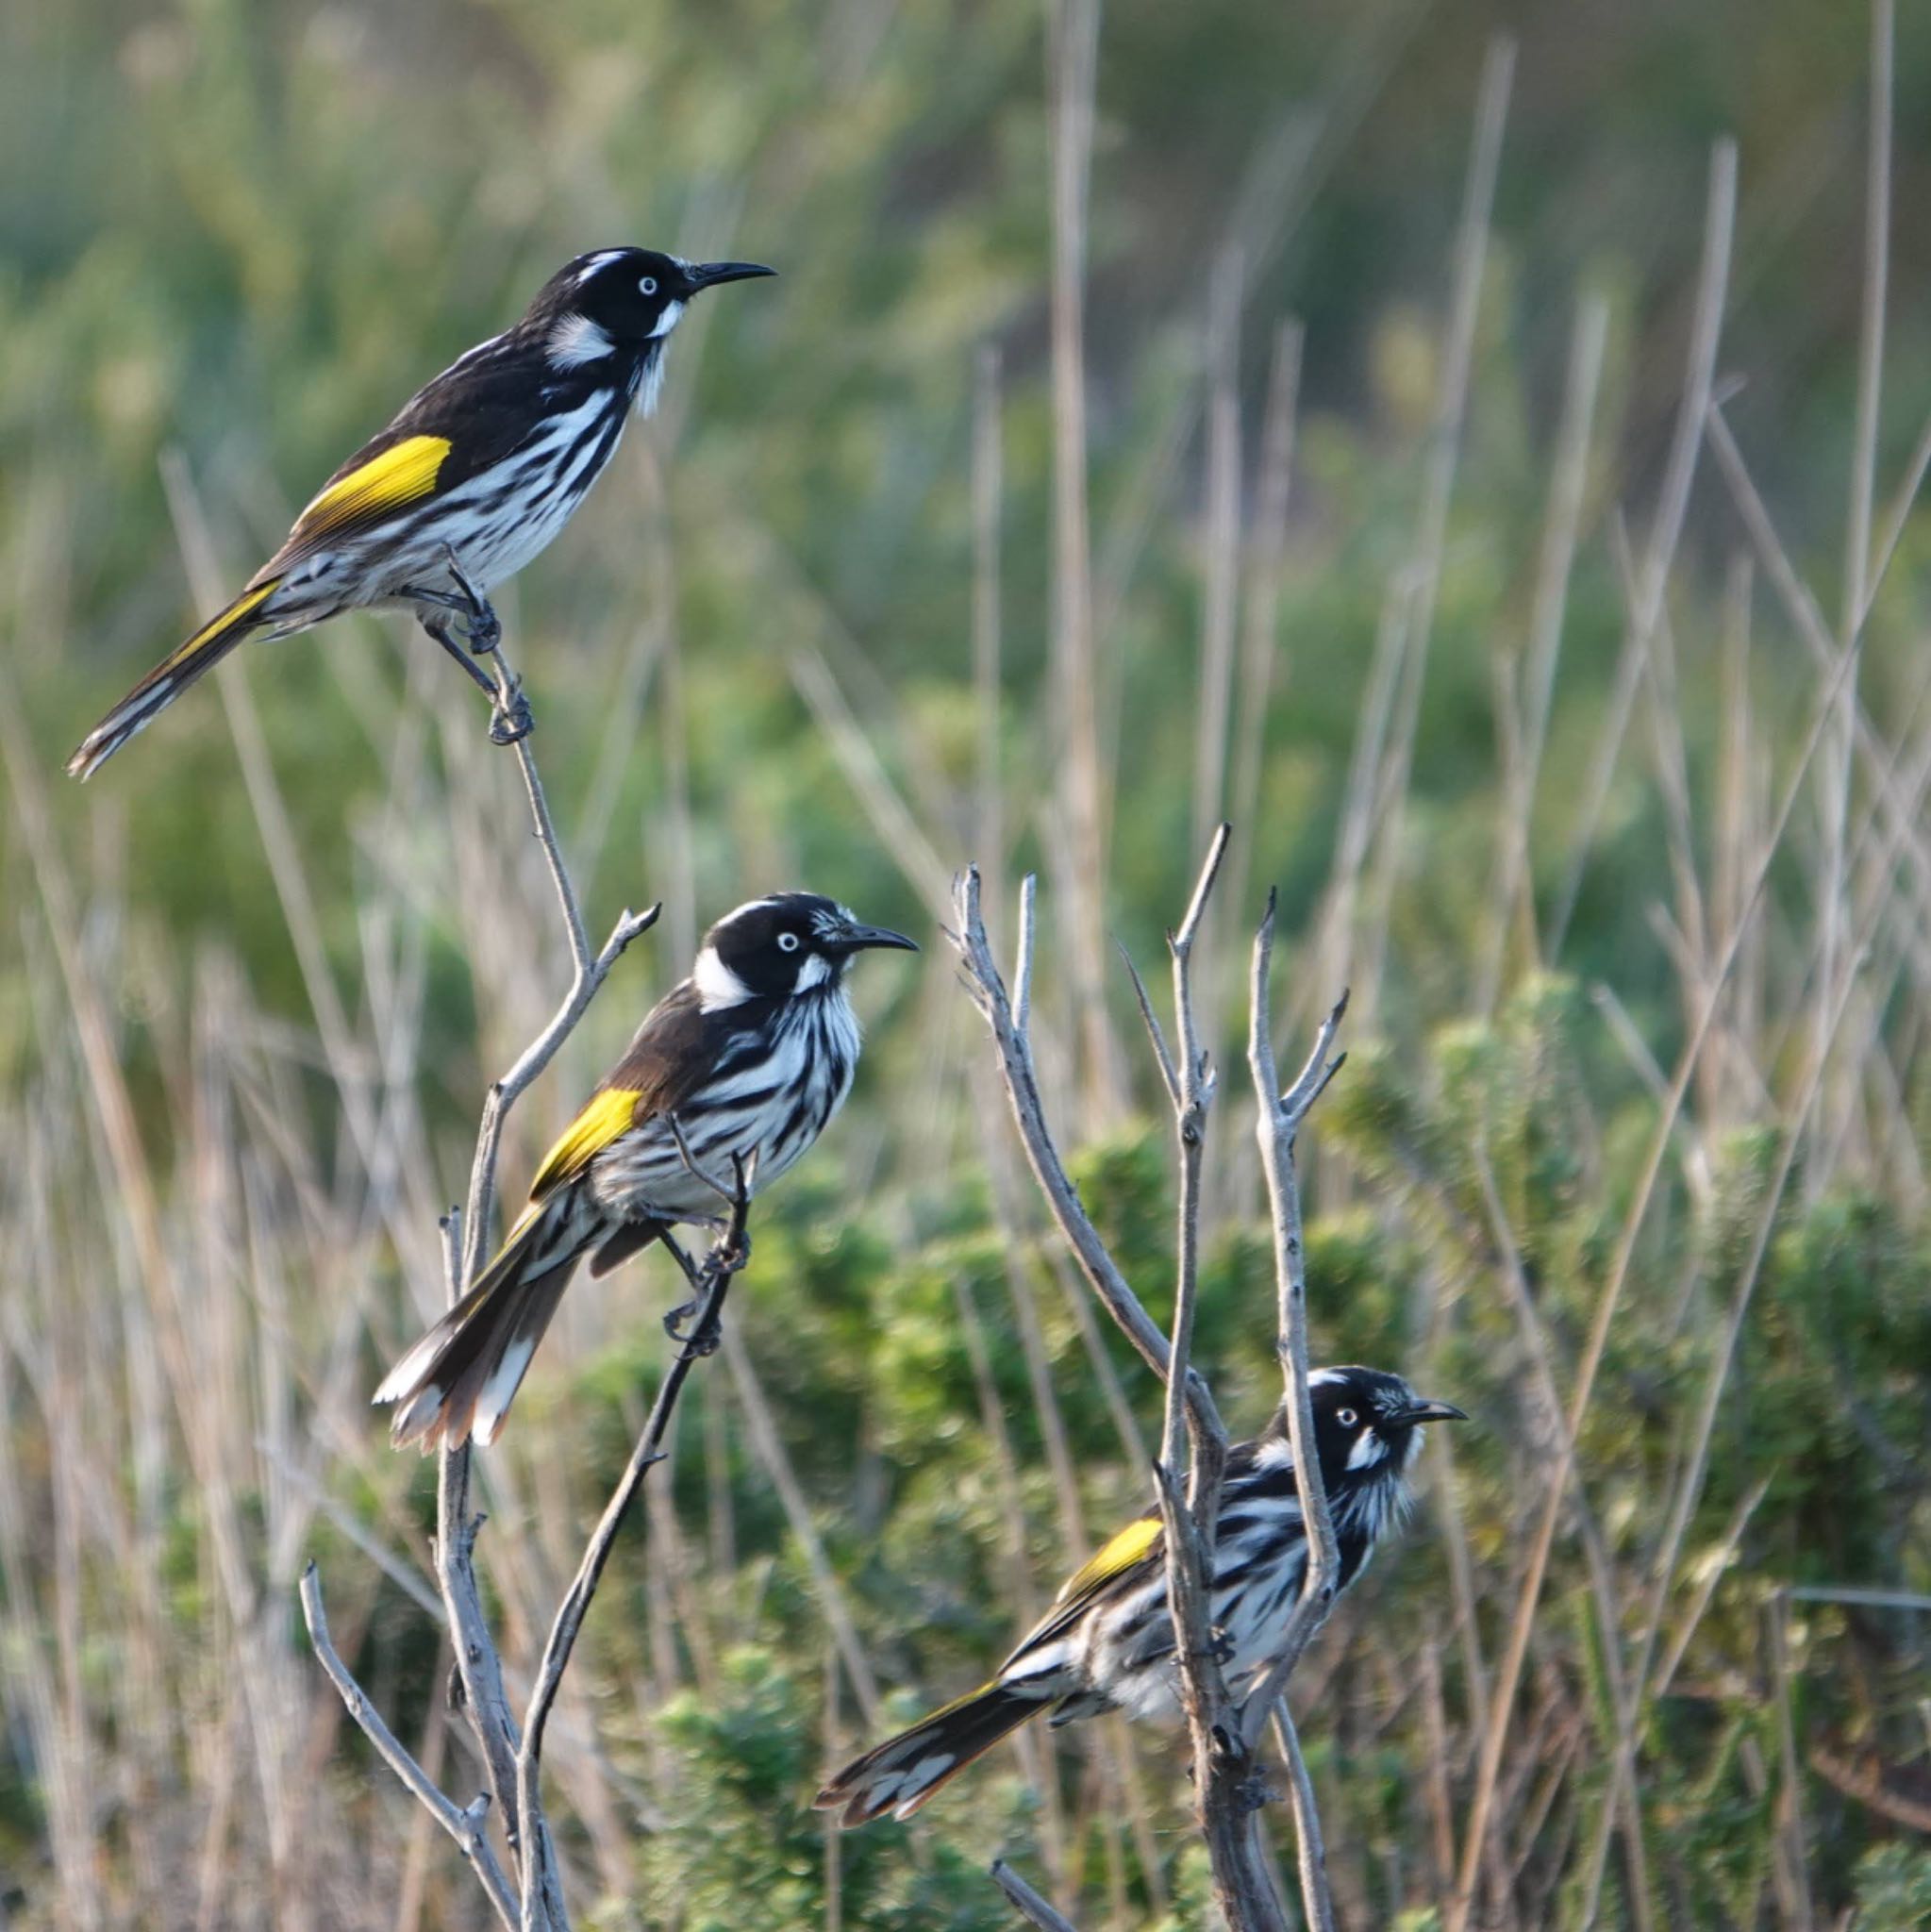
{"x": 751, "y": 1056}
{"x": 1108, "y": 1642}
{"x": 476, "y": 473}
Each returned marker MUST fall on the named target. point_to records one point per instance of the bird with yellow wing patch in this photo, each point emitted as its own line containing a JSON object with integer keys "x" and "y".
{"x": 750, "y": 1057}
{"x": 1108, "y": 1642}
{"x": 476, "y": 473}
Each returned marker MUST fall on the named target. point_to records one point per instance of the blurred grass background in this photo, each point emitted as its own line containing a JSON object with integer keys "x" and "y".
{"x": 254, "y": 979}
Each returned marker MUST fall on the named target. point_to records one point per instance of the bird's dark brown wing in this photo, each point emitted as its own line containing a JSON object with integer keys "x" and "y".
{"x": 471, "y": 416}
{"x": 668, "y": 1059}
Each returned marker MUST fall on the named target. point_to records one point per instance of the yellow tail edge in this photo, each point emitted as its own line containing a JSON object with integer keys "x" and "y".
{"x": 169, "y": 678}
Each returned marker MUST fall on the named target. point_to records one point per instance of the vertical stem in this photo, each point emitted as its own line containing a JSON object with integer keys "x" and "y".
{"x": 987, "y": 488}
{"x": 1075, "y": 27}
{"x": 1219, "y": 605}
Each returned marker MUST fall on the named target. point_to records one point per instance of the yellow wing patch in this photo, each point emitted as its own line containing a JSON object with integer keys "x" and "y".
{"x": 1121, "y": 1552}
{"x": 400, "y": 474}
{"x": 609, "y": 1114}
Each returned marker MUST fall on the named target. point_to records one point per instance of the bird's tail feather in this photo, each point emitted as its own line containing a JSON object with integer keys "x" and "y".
{"x": 171, "y": 677}
{"x": 459, "y": 1379}
{"x": 901, "y": 1773}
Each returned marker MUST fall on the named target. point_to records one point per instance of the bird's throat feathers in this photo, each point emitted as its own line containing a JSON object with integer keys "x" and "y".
{"x": 575, "y": 341}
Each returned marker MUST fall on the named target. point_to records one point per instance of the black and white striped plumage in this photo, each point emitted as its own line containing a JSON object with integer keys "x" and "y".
{"x": 486, "y": 463}
{"x": 751, "y": 1055}
{"x": 1108, "y": 1642}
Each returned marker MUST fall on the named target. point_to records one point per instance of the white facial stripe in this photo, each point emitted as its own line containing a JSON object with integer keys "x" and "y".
{"x": 577, "y": 339}
{"x": 674, "y": 314}
{"x": 814, "y": 972}
{"x": 716, "y": 986}
{"x": 1369, "y": 1449}
{"x": 601, "y": 260}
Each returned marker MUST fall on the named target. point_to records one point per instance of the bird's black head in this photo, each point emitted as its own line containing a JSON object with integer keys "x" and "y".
{"x": 1367, "y": 1425}
{"x": 622, "y": 303}
{"x": 787, "y": 944}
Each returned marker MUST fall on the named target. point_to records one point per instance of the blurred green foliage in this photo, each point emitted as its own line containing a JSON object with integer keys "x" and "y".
{"x": 232, "y": 236}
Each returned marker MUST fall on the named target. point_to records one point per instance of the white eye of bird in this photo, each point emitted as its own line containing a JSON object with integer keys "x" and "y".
{"x": 1346, "y": 1418}
{"x": 649, "y": 285}
{"x": 788, "y": 942}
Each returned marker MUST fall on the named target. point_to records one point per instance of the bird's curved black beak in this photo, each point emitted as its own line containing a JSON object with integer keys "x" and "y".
{"x": 858, "y": 938}
{"x": 1432, "y": 1412}
{"x": 708, "y": 275}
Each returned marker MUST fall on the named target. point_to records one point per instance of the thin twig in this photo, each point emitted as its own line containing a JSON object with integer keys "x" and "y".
{"x": 1310, "y": 1852}
{"x": 1280, "y": 1124}
{"x": 464, "y": 1825}
{"x": 1021, "y": 1080}
{"x": 728, "y": 1256}
{"x": 1030, "y": 1905}
{"x": 1224, "y": 1785}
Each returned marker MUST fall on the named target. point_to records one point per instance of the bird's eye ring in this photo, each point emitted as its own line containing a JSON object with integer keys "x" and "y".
{"x": 1346, "y": 1418}
{"x": 648, "y": 286}
{"x": 788, "y": 942}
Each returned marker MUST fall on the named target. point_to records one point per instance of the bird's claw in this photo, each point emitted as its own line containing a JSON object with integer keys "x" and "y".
{"x": 512, "y": 720}
{"x": 698, "y": 1342}
{"x": 482, "y": 629}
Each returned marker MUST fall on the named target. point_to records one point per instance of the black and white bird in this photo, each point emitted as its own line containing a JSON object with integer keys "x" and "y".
{"x": 476, "y": 473}
{"x": 750, "y": 1056}
{"x": 1108, "y": 1642}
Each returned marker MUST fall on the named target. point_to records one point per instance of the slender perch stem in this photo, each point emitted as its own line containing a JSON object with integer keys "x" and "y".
{"x": 511, "y": 1757}
{"x": 464, "y": 1825}
{"x": 1030, "y": 1905}
{"x": 1009, "y": 1021}
{"x": 478, "y": 1666}
{"x": 711, "y": 1280}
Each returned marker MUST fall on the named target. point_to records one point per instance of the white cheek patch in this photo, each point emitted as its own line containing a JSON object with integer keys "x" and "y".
{"x": 1369, "y": 1449}
{"x": 716, "y": 986}
{"x": 673, "y": 315}
{"x": 577, "y": 339}
{"x": 814, "y": 972}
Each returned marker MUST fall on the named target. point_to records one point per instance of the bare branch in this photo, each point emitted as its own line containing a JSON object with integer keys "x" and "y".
{"x": 1169, "y": 1079}
{"x": 465, "y": 1825}
{"x": 504, "y": 1094}
{"x": 1190, "y": 1542}
{"x": 1021, "y": 1080}
{"x": 1031, "y": 1906}
{"x": 478, "y": 1666}
{"x": 728, "y": 1256}
{"x": 465, "y": 1235}
{"x": 1312, "y": 1854}
{"x": 1277, "y": 1126}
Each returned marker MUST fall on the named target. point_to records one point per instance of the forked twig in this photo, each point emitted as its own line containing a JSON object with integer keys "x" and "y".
{"x": 1007, "y": 1018}
{"x": 1223, "y": 1733}
{"x": 465, "y": 1823}
{"x": 512, "y": 1754}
